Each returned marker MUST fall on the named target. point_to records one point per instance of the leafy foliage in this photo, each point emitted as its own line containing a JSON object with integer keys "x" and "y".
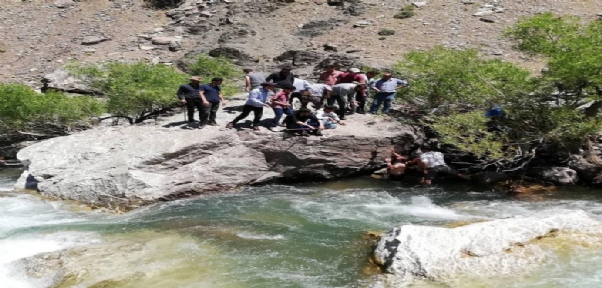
{"x": 23, "y": 108}
{"x": 386, "y": 32}
{"x": 209, "y": 67}
{"x": 136, "y": 91}
{"x": 405, "y": 12}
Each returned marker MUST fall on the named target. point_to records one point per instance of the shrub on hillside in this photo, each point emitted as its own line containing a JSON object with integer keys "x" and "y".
{"x": 135, "y": 91}
{"x": 405, "y": 12}
{"x": 21, "y": 108}
{"x": 386, "y": 32}
{"x": 209, "y": 67}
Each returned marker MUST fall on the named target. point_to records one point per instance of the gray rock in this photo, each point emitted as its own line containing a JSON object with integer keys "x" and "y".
{"x": 146, "y": 47}
{"x": 138, "y": 165}
{"x": 91, "y": 40}
{"x": 362, "y": 23}
{"x": 62, "y": 80}
{"x": 556, "y": 175}
{"x": 161, "y": 40}
{"x": 483, "y": 12}
{"x": 64, "y": 3}
{"x": 502, "y": 248}
{"x": 330, "y": 47}
{"x": 488, "y": 19}
{"x": 175, "y": 46}
{"x": 239, "y": 57}
{"x": 300, "y": 58}
{"x": 419, "y": 4}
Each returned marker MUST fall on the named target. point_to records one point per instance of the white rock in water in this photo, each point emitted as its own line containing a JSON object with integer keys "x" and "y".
{"x": 480, "y": 250}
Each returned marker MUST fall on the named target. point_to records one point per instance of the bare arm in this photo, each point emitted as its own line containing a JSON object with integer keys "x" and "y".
{"x": 247, "y": 83}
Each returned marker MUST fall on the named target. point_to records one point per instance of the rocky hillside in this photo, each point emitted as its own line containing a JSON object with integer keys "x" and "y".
{"x": 38, "y": 36}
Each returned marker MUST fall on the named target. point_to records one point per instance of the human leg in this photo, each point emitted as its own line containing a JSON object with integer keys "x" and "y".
{"x": 257, "y": 113}
{"x": 361, "y": 103}
{"x": 204, "y": 112}
{"x": 378, "y": 99}
{"x": 246, "y": 110}
{"x": 342, "y": 102}
{"x": 213, "y": 112}
{"x": 190, "y": 108}
{"x": 387, "y": 103}
{"x": 328, "y": 125}
{"x": 278, "y": 112}
{"x": 351, "y": 102}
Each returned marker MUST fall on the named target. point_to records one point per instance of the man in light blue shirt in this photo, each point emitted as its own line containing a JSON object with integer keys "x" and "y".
{"x": 385, "y": 89}
{"x": 255, "y": 102}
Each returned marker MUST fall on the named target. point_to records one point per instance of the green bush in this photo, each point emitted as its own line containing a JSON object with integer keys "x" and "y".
{"x": 23, "y": 108}
{"x": 386, "y": 32}
{"x": 405, "y": 12}
{"x": 135, "y": 91}
{"x": 209, "y": 67}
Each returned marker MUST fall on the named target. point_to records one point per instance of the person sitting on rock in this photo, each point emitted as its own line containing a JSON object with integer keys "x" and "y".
{"x": 190, "y": 95}
{"x": 255, "y": 102}
{"x": 396, "y": 166}
{"x": 328, "y": 117}
{"x": 253, "y": 80}
{"x": 212, "y": 93}
{"x": 432, "y": 163}
{"x": 280, "y": 103}
{"x": 330, "y": 76}
{"x": 352, "y": 75}
{"x": 315, "y": 94}
{"x": 284, "y": 75}
{"x": 302, "y": 122}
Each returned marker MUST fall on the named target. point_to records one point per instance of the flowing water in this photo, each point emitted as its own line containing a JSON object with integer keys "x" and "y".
{"x": 273, "y": 236}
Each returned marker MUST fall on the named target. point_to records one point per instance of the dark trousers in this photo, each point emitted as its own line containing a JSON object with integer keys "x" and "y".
{"x": 341, "y": 101}
{"x": 278, "y": 112}
{"x": 361, "y": 103}
{"x": 209, "y": 113}
{"x": 246, "y": 110}
{"x": 191, "y": 103}
{"x": 298, "y": 129}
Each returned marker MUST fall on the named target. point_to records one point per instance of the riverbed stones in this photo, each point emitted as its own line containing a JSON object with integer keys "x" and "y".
{"x": 137, "y": 165}
{"x": 496, "y": 248}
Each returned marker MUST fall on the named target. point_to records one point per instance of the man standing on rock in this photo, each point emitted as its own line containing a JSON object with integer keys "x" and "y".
{"x": 212, "y": 93}
{"x": 284, "y": 75}
{"x": 190, "y": 95}
{"x": 280, "y": 103}
{"x": 255, "y": 102}
{"x": 385, "y": 89}
{"x": 352, "y": 75}
{"x": 330, "y": 76}
{"x": 252, "y": 79}
{"x": 361, "y": 99}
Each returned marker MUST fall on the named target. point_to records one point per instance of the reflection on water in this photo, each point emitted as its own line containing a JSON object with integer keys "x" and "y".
{"x": 273, "y": 236}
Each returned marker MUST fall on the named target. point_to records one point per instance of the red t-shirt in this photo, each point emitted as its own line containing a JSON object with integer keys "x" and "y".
{"x": 348, "y": 78}
{"x": 280, "y": 97}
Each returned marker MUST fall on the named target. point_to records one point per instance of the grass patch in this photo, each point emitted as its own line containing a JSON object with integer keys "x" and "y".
{"x": 405, "y": 12}
{"x": 386, "y": 32}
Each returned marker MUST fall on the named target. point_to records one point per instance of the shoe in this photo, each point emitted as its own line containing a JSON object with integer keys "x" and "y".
{"x": 304, "y": 134}
{"x": 361, "y": 112}
{"x": 201, "y": 126}
{"x": 318, "y": 133}
{"x": 343, "y": 118}
{"x": 256, "y": 128}
{"x": 230, "y": 125}
{"x": 212, "y": 124}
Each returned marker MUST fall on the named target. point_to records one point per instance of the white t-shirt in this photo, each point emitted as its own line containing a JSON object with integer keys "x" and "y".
{"x": 320, "y": 114}
{"x": 300, "y": 84}
{"x": 432, "y": 159}
{"x": 317, "y": 90}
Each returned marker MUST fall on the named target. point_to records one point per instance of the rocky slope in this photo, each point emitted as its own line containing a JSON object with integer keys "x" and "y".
{"x": 482, "y": 250}
{"x": 124, "y": 167}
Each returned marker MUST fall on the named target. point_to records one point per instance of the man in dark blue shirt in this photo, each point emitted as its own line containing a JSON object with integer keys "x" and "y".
{"x": 189, "y": 95}
{"x": 212, "y": 96}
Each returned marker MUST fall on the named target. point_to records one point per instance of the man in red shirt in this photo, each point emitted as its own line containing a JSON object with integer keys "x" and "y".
{"x": 353, "y": 75}
{"x": 330, "y": 76}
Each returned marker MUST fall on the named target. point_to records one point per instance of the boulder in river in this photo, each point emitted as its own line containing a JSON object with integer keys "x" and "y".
{"x": 487, "y": 249}
{"x": 124, "y": 167}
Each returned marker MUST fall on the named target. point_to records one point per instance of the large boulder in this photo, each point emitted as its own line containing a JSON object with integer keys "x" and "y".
{"x": 556, "y": 175}
{"x": 496, "y": 248}
{"x": 63, "y": 80}
{"x": 124, "y": 167}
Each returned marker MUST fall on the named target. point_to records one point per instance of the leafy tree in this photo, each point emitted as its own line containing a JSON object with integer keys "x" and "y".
{"x": 135, "y": 91}
{"x": 209, "y": 67}
{"x": 21, "y": 108}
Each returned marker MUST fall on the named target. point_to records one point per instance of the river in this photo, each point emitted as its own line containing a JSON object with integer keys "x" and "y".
{"x": 310, "y": 235}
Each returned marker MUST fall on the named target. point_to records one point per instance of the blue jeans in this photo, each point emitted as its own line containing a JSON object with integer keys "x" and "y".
{"x": 278, "y": 112}
{"x": 328, "y": 125}
{"x": 384, "y": 98}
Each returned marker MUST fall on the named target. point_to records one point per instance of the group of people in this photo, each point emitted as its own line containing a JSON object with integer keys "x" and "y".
{"x": 348, "y": 90}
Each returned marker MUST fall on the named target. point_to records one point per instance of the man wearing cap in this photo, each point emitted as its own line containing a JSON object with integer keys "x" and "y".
{"x": 343, "y": 94}
{"x": 315, "y": 94}
{"x": 255, "y": 102}
{"x": 385, "y": 89}
{"x": 280, "y": 103}
{"x": 252, "y": 79}
{"x": 284, "y": 75}
{"x": 190, "y": 95}
{"x": 351, "y": 76}
{"x": 330, "y": 76}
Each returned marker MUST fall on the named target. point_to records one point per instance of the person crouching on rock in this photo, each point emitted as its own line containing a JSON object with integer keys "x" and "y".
{"x": 303, "y": 122}
{"x": 432, "y": 163}
{"x": 328, "y": 117}
{"x": 280, "y": 103}
{"x": 396, "y": 166}
{"x": 255, "y": 102}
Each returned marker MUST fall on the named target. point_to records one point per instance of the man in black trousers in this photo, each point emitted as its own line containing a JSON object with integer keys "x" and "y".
{"x": 190, "y": 95}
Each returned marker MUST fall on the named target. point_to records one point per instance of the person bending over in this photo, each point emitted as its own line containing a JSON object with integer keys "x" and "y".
{"x": 255, "y": 102}
{"x": 315, "y": 94}
{"x": 329, "y": 118}
{"x": 303, "y": 122}
{"x": 396, "y": 166}
{"x": 432, "y": 163}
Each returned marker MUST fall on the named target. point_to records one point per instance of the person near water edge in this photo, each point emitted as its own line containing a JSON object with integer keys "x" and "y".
{"x": 302, "y": 122}
{"x": 252, "y": 79}
{"x": 396, "y": 166}
{"x": 432, "y": 164}
{"x": 190, "y": 95}
{"x": 385, "y": 89}
{"x": 255, "y": 102}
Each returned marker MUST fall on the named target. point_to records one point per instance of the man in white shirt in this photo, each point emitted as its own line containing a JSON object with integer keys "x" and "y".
{"x": 328, "y": 117}
{"x": 300, "y": 85}
{"x": 316, "y": 94}
{"x": 433, "y": 164}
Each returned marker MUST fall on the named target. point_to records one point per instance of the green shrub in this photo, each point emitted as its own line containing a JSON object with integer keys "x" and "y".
{"x": 405, "y": 12}
{"x": 135, "y": 91}
{"x": 209, "y": 67}
{"x": 386, "y": 32}
{"x": 23, "y": 108}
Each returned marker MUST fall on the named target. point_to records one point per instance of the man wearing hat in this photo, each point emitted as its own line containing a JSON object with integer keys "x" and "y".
{"x": 190, "y": 95}
{"x": 284, "y": 75}
{"x": 255, "y": 102}
{"x": 280, "y": 103}
{"x": 351, "y": 76}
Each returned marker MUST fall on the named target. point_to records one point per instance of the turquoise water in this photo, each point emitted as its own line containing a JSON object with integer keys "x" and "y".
{"x": 309, "y": 235}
